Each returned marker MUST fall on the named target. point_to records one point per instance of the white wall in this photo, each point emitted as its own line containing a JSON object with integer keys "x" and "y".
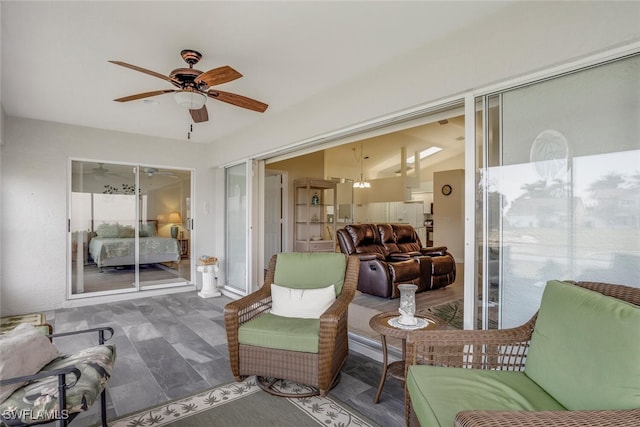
{"x": 448, "y": 212}
{"x": 2, "y": 127}
{"x": 34, "y": 201}
{"x": 522, "y": 38}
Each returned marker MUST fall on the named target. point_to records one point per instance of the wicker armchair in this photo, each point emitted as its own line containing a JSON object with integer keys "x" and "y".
{"x": 451, "y": 348}
{"x": 318, "y": 370}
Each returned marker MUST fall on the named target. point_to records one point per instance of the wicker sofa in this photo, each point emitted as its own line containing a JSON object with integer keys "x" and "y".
{"x": 391, "y": 254}
{"x": 575, "y": 363}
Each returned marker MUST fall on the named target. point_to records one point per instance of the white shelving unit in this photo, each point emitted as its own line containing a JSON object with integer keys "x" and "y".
{"x": 315, "y": 215}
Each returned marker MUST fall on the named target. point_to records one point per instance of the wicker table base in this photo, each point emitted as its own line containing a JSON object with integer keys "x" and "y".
{"x": 380, "y": 323}
{"x": 284, "y": 388}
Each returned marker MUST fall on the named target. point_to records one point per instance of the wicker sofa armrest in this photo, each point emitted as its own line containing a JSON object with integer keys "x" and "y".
{"x": 239, "y": 312}
{"x": 333, "y": 320}
{"x": 618, "y": 418}
{"x": 481, "y": 349}
{"x": 248, "y": 307}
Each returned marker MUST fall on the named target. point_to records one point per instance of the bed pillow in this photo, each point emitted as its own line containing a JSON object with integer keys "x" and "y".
{"x": 126, "y": 231}
{"x": 147, "y": 229}
{"x": 25, "y": 350}
{"x": 107, "y": 230}
{"x": 301, "y": 303}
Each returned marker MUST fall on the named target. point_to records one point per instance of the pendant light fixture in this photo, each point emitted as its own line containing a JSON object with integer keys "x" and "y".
{"x": 361, "y": 183}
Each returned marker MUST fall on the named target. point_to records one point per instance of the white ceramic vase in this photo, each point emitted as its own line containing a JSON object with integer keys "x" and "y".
{"x": 407, "y": 304}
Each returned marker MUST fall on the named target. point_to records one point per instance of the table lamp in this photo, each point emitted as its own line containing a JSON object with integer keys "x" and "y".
{"x": 174, "y": 217}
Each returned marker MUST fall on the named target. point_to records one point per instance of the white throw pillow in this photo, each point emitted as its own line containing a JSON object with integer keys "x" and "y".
{"x": 301, "y": 303}
{"x": 23, "y": 351}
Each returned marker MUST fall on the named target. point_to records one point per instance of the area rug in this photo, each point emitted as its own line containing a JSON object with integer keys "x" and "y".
{"x": 245, "y": 404}
{"x": 450, "y": 312}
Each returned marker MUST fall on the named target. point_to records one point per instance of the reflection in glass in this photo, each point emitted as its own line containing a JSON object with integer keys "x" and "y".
{"x": 119, "y": 238}
{"x": 236, "y": 196}
{"x": 566, "y": 186}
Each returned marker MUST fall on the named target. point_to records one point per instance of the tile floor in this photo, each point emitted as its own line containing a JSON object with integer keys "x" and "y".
{"x": 175, "y": 345}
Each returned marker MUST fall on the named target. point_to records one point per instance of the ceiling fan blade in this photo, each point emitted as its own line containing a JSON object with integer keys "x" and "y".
{"x": 144, "y": 95}
{"x": 149, "y": 72}
{"x": 218, "y": 76}
{"x": 238, "y": 100}
{"x": 201, "y": 115}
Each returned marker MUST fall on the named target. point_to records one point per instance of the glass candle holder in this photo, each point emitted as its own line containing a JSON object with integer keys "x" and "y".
{"x": 407, "y": 304}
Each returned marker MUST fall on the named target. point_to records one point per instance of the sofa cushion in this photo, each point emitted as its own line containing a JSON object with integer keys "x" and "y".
{"x": 439, "y": 393}
{"x": 24, "y": 351}
{"x": 284, "y": 333}
{"x": 407, "y": 239}
{"x": 584, "y": 349}
{"x": 37, "y": 400}
{"x": 366, "y": 239}
{"x": 302, "y": 303}
{"x": 310, "y": 270}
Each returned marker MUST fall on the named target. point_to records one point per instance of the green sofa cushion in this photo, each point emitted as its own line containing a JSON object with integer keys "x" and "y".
{"x": 284, "y": 333}
{"x": 310, "y": 270}
{"x": 439, "y": 393}
{"x": 585, "y": 349}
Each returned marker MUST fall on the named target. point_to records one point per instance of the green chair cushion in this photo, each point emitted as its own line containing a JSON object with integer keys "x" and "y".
{"x": 585, "y": 349}
{"x": 38, "y": 400}
{"x": 439, "y": 393}
{"x": 310, "y": 270}
{"x": 283, "y": 333}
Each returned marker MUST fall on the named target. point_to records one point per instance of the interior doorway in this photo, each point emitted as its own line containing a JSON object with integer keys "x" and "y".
{"x": 273, "y": 214}
{"x": 401, "y": 162}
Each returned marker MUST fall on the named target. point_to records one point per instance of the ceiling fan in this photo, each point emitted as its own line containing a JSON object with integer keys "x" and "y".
{"x": 195, "y": 86}
{"x": 150, "y": 172}
{"x": 99, "y": 171}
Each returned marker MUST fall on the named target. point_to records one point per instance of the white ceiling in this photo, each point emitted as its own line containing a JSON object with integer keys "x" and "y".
{"x": 54, "y": 55}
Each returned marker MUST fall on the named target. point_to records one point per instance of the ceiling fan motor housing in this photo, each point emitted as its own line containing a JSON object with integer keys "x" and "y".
{"x": 191, "y": 57}
{"x": 187, "y": 76}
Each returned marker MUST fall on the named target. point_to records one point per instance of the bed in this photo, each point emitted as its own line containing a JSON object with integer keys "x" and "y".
{"x": 114, "y": 245}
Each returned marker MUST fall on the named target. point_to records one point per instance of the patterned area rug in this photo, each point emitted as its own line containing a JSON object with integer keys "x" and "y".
{"x": 450, "y": 312}
{"x": 245, "y": 404}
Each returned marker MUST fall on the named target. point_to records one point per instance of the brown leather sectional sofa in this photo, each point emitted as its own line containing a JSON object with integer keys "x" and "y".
{"x": 391, "y": 254}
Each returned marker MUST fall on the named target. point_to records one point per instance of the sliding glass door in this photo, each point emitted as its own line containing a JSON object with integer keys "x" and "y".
{"x": 128, "y": 228}
{"x": 559, "y": 178}
{"x": 237, "y": 228}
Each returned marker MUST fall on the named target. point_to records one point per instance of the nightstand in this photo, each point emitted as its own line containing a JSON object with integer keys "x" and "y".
{"x": 184, "y": 248}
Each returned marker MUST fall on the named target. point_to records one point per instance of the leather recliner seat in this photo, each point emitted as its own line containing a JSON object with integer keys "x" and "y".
{"x": 391, "y": 254}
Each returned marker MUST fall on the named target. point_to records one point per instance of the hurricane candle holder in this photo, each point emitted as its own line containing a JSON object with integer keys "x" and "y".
{"x": 407, "y": 304}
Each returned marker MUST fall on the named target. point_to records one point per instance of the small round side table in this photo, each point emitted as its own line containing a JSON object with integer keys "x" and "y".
{"x": 380, "y": 323}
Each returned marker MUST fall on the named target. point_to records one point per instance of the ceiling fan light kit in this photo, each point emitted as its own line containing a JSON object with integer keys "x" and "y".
{"x": 194, "y": 87}
{"x": 190, "y": 99}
